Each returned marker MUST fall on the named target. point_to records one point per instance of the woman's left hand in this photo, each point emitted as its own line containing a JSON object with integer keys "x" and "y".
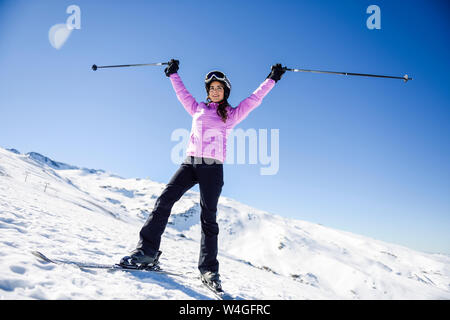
{"x": 276, "y": 72}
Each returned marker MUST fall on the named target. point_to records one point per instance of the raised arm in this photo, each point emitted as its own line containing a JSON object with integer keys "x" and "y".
{"x": 247, "y": 105}
{"x": 183, "y": 95}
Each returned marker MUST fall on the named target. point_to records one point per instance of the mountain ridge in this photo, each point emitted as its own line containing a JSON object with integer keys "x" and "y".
{"x": 74, "y": 213}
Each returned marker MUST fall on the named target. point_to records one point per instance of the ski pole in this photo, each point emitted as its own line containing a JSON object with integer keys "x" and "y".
{"x": 95, "y": 67}
{"x": 404, "y": 78}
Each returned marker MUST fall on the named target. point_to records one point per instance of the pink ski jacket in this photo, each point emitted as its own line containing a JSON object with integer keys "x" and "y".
{"x": 208, "y": 137}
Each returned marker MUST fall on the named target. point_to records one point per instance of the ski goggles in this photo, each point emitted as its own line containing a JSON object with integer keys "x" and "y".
{"x": 217, "y": 75}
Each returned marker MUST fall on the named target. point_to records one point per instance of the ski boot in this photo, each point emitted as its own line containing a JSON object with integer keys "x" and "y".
{"x": 212, "y": 280}
{"x": 139, "y": 260}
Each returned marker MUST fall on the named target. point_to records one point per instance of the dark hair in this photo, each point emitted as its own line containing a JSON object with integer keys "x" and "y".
{"x": 222, "y": 108}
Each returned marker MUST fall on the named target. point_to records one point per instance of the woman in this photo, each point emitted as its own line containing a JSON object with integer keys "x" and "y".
{"x": 203, "y": 165}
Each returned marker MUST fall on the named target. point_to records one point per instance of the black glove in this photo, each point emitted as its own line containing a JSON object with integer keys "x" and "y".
{"x": 172, "y": 67}
{"x": 276, "y": 72}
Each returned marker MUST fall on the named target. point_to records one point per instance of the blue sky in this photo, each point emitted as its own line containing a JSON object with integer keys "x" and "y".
{"x": 365, "y": 155}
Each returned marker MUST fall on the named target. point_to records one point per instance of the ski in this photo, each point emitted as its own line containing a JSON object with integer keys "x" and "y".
{"x": 109, "y": 267}
{"x": 221, "y": 295}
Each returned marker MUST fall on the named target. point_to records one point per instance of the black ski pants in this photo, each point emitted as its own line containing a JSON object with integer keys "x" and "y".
{"x": 208, "y": 173}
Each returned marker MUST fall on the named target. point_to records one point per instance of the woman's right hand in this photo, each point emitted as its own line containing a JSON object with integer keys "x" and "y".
{"x": 172, "y": 67}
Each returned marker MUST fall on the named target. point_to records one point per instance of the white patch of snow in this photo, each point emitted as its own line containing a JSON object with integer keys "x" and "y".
{"x": 95, "y": 216}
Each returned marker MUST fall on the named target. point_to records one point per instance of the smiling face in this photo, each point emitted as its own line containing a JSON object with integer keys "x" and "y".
{"x": 216, "y": 91}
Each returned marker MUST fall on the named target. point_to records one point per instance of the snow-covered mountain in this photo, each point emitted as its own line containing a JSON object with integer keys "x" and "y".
{"x": 91, "y": 215}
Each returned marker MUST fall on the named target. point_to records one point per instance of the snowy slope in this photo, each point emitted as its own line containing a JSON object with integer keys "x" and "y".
{"x": 91, "y": 215}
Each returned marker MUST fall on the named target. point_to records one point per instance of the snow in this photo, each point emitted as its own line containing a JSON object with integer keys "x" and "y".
{"x": 91, "y": 215}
